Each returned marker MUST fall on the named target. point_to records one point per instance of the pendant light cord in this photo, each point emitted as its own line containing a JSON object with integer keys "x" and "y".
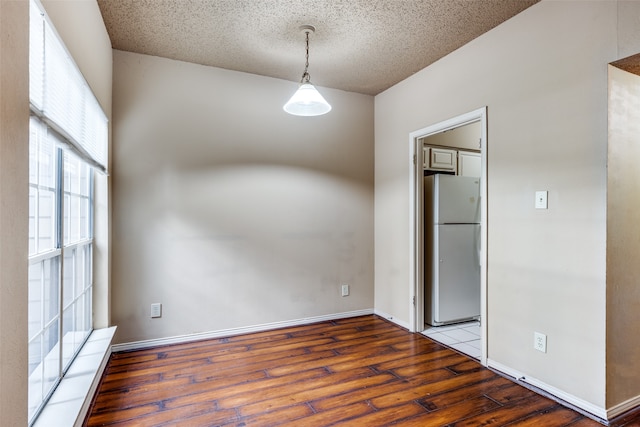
{"x": 306, "y": 78}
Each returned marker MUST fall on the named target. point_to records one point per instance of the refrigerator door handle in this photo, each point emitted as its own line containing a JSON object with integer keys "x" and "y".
{"x": 478, "y": 236}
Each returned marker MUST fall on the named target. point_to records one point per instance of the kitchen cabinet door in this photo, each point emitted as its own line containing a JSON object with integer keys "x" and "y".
{"x": 442, "y": 159}
{"x": 469, "y": 164}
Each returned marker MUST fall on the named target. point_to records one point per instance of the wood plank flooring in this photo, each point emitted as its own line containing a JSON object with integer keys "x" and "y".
{"x": 361, "y": 371}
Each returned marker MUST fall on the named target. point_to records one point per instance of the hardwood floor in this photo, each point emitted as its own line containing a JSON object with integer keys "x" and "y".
{"x": 361, "y": 371}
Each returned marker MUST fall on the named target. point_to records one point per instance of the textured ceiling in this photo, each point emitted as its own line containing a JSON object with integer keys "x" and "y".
{"x": 362, "y": 46}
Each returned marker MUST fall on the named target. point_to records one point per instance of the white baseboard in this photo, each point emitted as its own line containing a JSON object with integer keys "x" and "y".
{"x": 623, "y": 407}
{"x": 391, "y": 319}
{"x": 589, "y": 409}
{"x": 137, "y": 345}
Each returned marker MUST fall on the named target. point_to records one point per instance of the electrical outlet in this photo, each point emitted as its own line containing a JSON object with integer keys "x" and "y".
{"x": 156, "y": 310}
{"x": 345, "y": 290}
{"x": 540, "y": 342}
{"x": 541, "y": 199}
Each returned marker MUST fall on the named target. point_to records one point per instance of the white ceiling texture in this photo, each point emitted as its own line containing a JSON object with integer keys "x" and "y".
{"x": 363, "y": 46}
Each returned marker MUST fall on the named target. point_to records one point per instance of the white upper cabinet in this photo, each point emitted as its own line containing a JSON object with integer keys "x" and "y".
{"x": 440, "y": 159}
{"x": 451, "y": 160}
{"x": 469, "y": 164}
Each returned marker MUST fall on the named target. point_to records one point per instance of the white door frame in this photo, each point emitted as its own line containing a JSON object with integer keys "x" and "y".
{"x": 416, "y": 273}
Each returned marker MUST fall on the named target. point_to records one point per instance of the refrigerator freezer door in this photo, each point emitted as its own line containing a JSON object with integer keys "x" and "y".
{"x": 455, "y": 284}
{"x": 456, "y": 199}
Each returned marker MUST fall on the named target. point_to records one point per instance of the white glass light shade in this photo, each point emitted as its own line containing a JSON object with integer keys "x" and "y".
{"x": 307, "y": 101}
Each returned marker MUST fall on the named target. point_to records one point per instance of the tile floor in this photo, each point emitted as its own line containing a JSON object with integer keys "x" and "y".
{"x": 464, "y": 337}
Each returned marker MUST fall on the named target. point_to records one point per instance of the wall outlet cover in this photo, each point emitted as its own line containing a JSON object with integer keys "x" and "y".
{"x": 345, "y": 290}
{"x": 540, "y": 342}
{"x": 541, "y": 199}
{"x": 156, "y": 310}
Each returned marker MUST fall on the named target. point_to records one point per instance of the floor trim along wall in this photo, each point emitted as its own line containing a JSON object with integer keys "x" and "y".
{"x": 392, "y": 319}
{"x": 623, "y": 408}
{"x": 597, "y": 413}
{"x": 137, "y": 345}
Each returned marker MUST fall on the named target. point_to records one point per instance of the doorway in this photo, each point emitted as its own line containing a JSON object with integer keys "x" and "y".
{"x": 417, "y": 250}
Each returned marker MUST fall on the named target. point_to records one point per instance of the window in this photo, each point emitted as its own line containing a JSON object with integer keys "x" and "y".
{"x": 67, "y": 145}
{"x": 44, "y": 265}
{"x": 60, "y": 201}
{"x": 76, "y": 252}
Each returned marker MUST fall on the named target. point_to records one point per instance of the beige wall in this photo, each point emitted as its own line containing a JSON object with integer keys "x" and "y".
{"x": 14, "y": 213}
{"x": 79, "y": 24}
{"x": 623, "y": 245}
{"x": 628, "y": 28}
{"x": 543, "y": 77}
{"x": 228, "y": 211}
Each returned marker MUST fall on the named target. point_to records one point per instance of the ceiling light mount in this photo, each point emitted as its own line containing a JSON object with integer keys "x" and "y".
{"x": 307, "y": 101}
{"x": 304, "y": 29}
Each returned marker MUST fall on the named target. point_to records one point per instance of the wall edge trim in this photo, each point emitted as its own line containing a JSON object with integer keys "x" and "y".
{"x": 580, "y": 405}
{"x": 392, "y": 319}
{"x": 628, "y": 405}
{"x": 179, "y": 339}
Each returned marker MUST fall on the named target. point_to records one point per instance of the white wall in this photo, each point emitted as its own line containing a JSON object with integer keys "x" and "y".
{"x": 14, "y": 210}
{"x": 228, "y": 211}
{"x": 542, "y": 75}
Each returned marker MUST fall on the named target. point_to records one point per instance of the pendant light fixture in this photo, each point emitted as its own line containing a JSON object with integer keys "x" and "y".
{"x": 307, "y": 101}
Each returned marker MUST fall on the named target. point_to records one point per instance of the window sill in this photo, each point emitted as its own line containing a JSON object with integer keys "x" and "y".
{"x": 70, "y": 402}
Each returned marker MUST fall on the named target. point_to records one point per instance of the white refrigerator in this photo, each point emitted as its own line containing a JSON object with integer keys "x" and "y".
{"x": 452, "y": 249}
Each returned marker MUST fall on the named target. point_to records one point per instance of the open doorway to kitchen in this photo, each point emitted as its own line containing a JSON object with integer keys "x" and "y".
{"x": 439, "y": 150}
{"x": 623, "y": 270}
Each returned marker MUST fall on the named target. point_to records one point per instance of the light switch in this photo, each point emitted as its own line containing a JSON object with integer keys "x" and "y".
{"x": 541, "y": 199}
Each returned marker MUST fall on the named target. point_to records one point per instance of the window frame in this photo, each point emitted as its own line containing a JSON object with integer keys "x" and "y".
{"x": 68, "y": 119}
{"x": 57, "y": 256}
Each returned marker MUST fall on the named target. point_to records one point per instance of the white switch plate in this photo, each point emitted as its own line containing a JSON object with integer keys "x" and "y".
{"x": 540, "y": 342}
{"x": 156, "y": 310}
{"x": 345, "y": 290}
{"x": 541, "y": 199}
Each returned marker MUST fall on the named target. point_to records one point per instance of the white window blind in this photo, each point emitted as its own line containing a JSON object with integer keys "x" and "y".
{"x": 60, "y": 95}
{"x": 36, "y": 56}
{"x": 68, "y": 135}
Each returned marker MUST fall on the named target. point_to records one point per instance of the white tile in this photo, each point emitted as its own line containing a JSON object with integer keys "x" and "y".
{"x": 474, "y": 329}
{"x": 430, "y": 331}
{"x": 460, "y": 335}
{"x": 443, "y": 328}
{"x": 442, "y": 338}
{"x": 474, "y": 343}
{"x": 467, "y": 349}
